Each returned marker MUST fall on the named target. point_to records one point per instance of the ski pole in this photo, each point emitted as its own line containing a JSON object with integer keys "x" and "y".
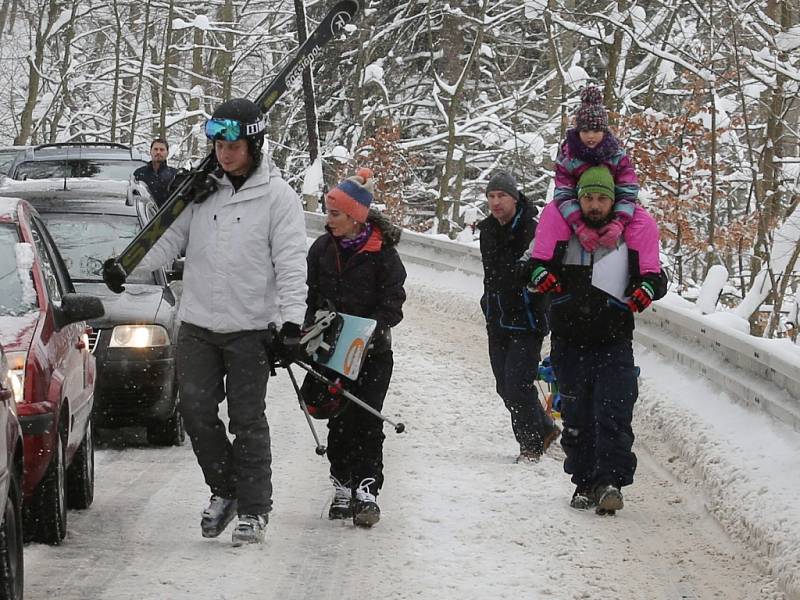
{"x": 320, "y": 450}
{"x": 398, "y": 427}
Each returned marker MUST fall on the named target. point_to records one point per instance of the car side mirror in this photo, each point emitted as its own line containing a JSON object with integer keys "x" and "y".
{"x": 175, "y": 272}
{"x": 78, "y": 307}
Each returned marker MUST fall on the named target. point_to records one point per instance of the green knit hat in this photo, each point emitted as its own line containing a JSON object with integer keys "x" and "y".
{"x": 596, "y": 179}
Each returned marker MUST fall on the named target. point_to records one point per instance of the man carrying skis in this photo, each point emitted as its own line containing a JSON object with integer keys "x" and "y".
{"x": 245, "y": 268}
{"x": 157, "y": 175}
{"x": 591, "y": 342}
{"x": 516, "y": 320}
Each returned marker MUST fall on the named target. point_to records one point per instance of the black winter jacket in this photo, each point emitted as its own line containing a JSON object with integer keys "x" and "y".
{"x": 585, "y": 315}
{"x": 158, "y": 183}
{"x": 506, "y": 303}
{"x": 367, "y": 284}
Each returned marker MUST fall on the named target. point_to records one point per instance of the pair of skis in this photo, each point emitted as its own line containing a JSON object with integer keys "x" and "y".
{"x": 330, "y": 27}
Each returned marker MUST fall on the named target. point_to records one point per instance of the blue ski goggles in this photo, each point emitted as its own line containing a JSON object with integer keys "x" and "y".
{"x": 228, "y": 130}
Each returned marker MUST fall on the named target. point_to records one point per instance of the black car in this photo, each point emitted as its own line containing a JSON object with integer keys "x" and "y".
{"x": 95, "y": 160}
{"x": 134, "y": 342}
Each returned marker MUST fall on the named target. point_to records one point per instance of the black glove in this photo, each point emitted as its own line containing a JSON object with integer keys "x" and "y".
{"x": 289, "y": 347}
{"x": 523, "y": 270}
{"x": 114, "y": 275}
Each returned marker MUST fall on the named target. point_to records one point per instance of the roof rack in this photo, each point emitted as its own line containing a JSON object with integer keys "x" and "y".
{"x": 82, "y": 144}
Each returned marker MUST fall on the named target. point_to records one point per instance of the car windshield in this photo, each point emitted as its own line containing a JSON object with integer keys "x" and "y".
{"x": 7, "y": 156}
{"x": 13, "y": 300}
{"x": 86, "y": 240}
{"x": 87, "y": 167}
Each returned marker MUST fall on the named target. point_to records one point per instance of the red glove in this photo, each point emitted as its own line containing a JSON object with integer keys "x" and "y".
{"x": 641, "y": 297}
{"x": 610, "y": 233}
{"x": 543, "y": 281}
{"x": 587, "y": 236}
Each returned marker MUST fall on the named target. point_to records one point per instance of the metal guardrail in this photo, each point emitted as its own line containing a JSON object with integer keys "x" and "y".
{"x": 742, "y": 365}
{"x": 422, "y": 249}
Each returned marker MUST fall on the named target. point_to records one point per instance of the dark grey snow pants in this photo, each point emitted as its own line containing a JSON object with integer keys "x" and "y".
{"x": 213, "y": 367}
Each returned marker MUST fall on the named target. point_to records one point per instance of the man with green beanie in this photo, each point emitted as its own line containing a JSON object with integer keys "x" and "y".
{"x": 591, "y": 337}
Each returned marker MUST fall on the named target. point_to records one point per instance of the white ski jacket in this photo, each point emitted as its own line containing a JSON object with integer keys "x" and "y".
{"x": 245, "y": 255}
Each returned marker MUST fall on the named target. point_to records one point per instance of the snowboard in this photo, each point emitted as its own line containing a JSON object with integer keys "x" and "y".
{"x": 341, "y": 344}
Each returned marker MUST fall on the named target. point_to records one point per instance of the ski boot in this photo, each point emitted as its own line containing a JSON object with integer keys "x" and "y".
{"x": 365, "y": 510}
{"x": 340, "y": 505}
{"x": 250, "y": 530}
{"x": 217, "y": 515}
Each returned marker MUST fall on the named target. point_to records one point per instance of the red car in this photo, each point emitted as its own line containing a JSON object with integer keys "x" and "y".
{"x": 44, "y": 333}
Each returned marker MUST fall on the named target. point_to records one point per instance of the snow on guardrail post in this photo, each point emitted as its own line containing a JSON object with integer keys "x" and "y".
{"x": 711, "y": 289}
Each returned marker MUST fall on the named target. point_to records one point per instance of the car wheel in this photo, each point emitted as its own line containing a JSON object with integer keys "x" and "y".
{"x": 167, "y": 433}
{"x": 80, "y": 475}
{"x": 11, "y": 539}
{"x": 50, "y": 502}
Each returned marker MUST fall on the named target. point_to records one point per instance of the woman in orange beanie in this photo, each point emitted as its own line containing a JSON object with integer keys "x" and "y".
{"x": 355, "y": 269}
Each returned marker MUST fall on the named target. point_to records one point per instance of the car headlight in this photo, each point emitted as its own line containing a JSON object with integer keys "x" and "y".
{"x": 138, "y": 336}
{"x": 16, "y": 373}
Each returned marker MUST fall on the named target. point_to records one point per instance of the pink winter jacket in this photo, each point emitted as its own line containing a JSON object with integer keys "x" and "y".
{"x": 641, "y": 235}
{"x": 574, "y": 158}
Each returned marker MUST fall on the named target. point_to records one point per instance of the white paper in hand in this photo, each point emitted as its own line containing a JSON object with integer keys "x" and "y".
{"x": 610, "y": 271}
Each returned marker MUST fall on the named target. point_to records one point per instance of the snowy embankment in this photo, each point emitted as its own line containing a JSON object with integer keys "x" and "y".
{"x": 742, "y": 462}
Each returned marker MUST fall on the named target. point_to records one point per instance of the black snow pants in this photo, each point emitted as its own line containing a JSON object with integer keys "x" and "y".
{"x": 213, "y": 367}
{"x": 355, "y": 436}
{"x": 514, "y": 357}
{"x": 598, "y": 387}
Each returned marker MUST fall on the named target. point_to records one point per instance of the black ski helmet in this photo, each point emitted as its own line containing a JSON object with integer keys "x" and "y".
{"x": 246, "y": 112}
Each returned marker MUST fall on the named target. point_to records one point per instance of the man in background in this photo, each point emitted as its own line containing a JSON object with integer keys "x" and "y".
{"x": 156, "y": 174}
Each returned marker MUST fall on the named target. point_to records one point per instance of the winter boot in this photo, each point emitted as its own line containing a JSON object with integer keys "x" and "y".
{"x": 217, "y": 515}
{"x": 340, "y": 505}
{"x": 608, "y": 498}
{"x": 582, "y": 498}
{"x": 250, "y": 529}
{"x": 365, "y": 510}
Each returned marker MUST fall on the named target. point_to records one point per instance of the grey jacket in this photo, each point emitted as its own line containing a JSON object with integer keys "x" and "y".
{"x": 245, "y": 255}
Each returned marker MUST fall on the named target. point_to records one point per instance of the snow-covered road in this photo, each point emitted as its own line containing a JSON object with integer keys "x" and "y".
{"x": 460, "y": 519}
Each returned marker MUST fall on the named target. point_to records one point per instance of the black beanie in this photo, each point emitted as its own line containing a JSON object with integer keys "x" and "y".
{"x": 503, "y": 181}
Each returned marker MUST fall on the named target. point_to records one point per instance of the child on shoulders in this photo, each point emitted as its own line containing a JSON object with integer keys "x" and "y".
{"x": 590, "y": 144}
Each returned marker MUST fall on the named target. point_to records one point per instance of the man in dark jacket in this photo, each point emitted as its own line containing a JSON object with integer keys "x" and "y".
{"x": 156, "y": 174}
{"x": 516, "y": 320}
{"x": 594, "y": 296}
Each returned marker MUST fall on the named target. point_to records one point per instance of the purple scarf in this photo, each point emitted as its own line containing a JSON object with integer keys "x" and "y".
{"x": 597, "y": 155}
{"x": 356, "y": 242}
